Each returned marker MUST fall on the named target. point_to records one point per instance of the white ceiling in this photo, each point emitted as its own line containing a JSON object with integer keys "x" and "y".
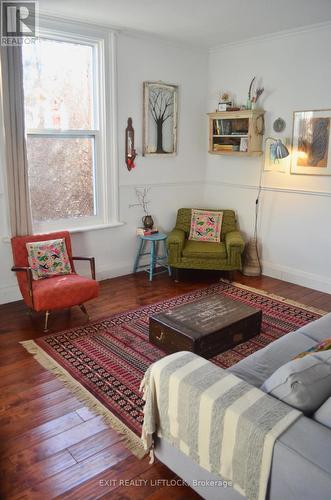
{"x": 203, "y": 23}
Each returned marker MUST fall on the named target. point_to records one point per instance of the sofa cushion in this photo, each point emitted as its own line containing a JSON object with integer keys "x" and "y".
{"x": 304, "y": 383}
{"x": 257, "y": 367}
{"x": 318, "y": 330}
{"x": 204, "y": 249}
{"x": 323, "y": 414}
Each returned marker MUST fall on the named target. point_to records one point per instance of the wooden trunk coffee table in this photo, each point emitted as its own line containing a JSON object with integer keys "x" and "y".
{"x": 206, "y": 326}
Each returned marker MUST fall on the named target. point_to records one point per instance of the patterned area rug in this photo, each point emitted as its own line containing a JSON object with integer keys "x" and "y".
{"x": 104, "y": 362}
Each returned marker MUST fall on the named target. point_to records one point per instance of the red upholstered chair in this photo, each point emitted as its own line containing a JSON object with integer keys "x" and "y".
{"x": 57, "y": 292}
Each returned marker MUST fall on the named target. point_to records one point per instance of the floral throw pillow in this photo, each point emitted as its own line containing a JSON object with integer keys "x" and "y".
{"x": 206, "y": 225}
{"x": 48, "y": 258}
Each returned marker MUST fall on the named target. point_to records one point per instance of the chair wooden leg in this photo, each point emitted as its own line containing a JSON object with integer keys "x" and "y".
{"x": 231, "y": 275}
{"x": 46, "y": 321}
{"x": 84, "y": 310}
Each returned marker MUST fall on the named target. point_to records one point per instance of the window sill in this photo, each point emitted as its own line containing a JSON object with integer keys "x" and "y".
{"x": 6, "y": 239}
{"x": 95, "y": 228}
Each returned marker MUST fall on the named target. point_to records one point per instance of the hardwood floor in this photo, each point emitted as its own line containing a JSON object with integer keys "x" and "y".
{"x": 53, "y": 446}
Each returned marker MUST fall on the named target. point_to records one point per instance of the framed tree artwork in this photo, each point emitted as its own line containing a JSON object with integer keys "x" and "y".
{"x": 311, "y": 143}
{"x": 160, "y": 119}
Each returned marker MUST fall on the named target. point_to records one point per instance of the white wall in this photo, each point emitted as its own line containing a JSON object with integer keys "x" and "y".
{"x": 295, "y": 209}
{"x": 175, "y": 181}
{"x": 294, "y": 227}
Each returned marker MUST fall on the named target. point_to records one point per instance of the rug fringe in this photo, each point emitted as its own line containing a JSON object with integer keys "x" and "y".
{"x": 311, "y": 309}
{"x": 131, "y": 440}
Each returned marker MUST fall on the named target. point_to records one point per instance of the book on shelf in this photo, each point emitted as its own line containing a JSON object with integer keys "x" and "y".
{"x": 226, "y": 147}
{"x": 141, "y": 231}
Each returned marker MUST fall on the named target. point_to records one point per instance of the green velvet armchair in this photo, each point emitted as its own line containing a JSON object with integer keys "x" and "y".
{"x": 187, "y": 254}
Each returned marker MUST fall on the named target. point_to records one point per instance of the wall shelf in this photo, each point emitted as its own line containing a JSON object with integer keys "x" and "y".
{"x": 236, "y": 133}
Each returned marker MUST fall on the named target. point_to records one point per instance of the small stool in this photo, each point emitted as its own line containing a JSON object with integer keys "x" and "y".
{"x": 154, "y": 258}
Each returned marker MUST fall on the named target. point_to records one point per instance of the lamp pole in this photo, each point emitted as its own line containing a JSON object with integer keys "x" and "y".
{"x": 252, "y": 263}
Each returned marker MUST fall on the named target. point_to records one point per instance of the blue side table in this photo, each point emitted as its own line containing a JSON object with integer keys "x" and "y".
{"x": 154, "y": 239}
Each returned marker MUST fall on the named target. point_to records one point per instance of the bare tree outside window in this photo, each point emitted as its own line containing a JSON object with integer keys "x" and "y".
{"x": 61, "y": 138}
{"x": 160, "y": 119}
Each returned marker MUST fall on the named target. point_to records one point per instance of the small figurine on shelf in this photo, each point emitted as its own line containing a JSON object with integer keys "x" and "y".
{"x": 224, "y": 101}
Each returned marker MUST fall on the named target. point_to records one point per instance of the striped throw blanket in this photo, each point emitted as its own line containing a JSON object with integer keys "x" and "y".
{"x": 223, "y": 423}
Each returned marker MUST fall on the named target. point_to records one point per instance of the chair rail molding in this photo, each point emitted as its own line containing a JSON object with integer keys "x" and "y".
{"x": 279, "y": 189}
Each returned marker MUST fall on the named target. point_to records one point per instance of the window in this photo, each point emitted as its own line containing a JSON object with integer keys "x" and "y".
{"x": 65, "y": 123}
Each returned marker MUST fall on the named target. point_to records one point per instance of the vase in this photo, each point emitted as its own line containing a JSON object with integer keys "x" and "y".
{"x": 148, "y": 222}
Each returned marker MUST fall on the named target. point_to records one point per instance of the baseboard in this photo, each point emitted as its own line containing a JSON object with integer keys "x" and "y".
{"x": 104, "y": 273}
{"x": 9, "y": 293}
{"x": 297, "y": 276}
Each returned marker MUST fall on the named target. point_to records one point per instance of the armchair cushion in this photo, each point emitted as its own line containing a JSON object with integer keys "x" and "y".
{"x": 63, "y": 291}
{"x": 204, "y": 249}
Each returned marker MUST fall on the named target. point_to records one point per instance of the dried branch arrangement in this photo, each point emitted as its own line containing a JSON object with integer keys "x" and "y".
{"x": 253, "y": 95}
{"x": 142, "y": 202}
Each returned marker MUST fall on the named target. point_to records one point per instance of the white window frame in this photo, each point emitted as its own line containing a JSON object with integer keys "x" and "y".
{"x": 104, "y": 133}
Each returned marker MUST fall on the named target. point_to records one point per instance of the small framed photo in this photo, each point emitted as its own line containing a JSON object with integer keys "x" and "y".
{"x": 224, "y": 105}
{"x": 243, "y": 144}
{"x": 311, "y": 144}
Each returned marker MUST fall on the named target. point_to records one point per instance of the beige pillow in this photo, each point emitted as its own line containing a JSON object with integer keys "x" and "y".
{"x": 206, "y": 225}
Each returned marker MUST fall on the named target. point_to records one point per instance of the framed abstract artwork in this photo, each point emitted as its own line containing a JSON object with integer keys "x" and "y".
{"x": 160, "y": 119}
{"x": 311, "y": 143}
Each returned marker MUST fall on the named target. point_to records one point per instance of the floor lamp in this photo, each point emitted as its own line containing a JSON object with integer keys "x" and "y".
{"x": 252, "y": 263}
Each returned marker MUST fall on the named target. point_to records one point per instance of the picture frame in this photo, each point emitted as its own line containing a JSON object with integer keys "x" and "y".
{"x": 311, "y": 142}
{"x": 160, "y": 119}
{"x": 243, "y": 145}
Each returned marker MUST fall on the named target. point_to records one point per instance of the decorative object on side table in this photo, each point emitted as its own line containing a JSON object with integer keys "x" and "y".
{"x": 143, "y": 202}
{"x": 130, "y": 152}
{"x": 252, "y": 263}
{"x": 160, "y": 119}
{"x": 311, "y": 143}
{"x": 142, "y": 231}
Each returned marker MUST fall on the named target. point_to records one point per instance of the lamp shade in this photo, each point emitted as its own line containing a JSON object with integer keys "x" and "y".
{"x": 278, "y": 150}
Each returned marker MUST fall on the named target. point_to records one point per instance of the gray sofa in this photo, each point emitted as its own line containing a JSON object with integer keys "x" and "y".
{"x": 301, "y": 466}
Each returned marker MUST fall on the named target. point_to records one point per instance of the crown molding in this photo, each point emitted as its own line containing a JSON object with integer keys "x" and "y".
{"x": 271, "y": 36}
{"x": 122, "y": 30}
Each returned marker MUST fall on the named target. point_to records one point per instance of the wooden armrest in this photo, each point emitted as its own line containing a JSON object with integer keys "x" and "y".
{"x": 92, "y": 263}
{"x": 28, "y": 272}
